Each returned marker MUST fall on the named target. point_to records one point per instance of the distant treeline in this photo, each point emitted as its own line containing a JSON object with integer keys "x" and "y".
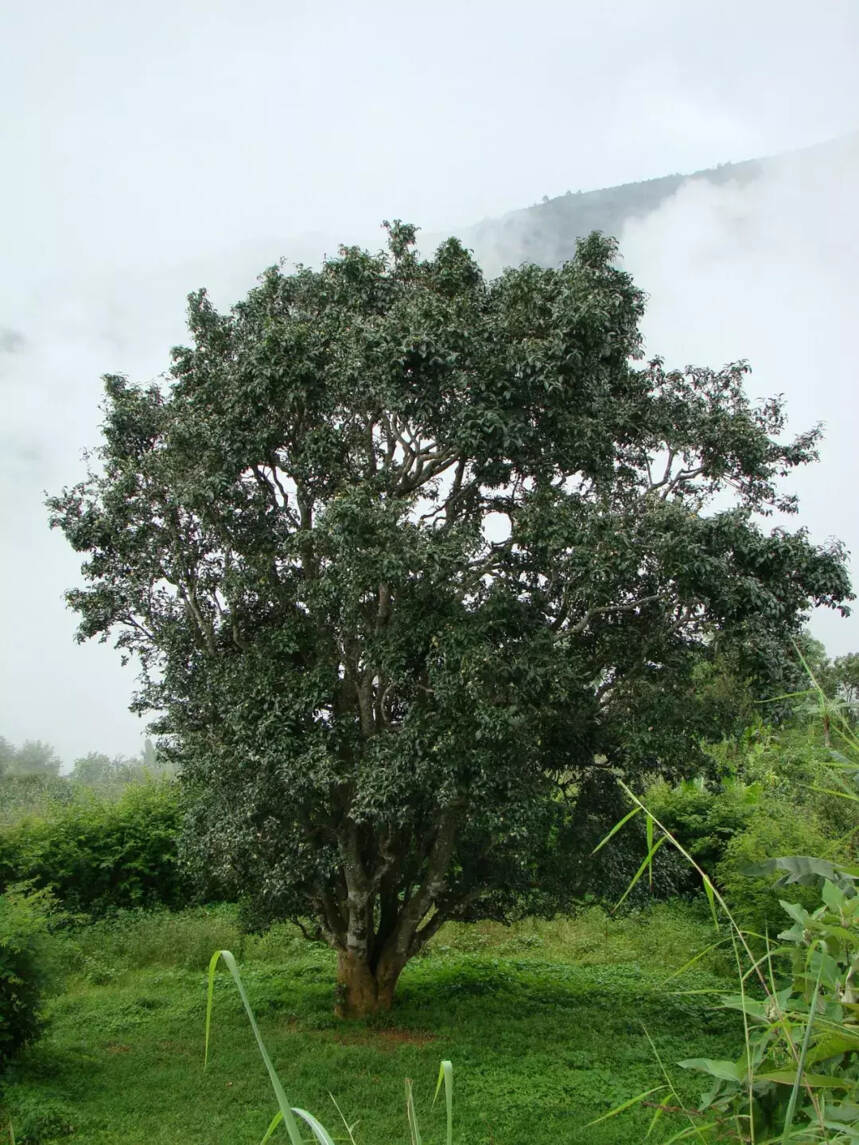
{"x": 39, "y": 759}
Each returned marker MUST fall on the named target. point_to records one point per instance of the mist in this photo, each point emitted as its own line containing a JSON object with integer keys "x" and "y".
{"x": 766, "y": 271}
{"x": 152, "y": 152}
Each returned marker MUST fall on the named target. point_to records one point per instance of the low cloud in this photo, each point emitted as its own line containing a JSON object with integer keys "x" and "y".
{"x": 766, "y": 270}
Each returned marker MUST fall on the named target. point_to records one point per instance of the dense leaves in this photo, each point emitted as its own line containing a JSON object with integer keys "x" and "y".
{"x": 24, "y": 967}
{"x": 405, "y": 554}
{"x": 97, "y": 856}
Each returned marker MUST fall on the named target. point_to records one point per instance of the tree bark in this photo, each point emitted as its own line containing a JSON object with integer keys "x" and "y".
{"x": 363, "y": 991}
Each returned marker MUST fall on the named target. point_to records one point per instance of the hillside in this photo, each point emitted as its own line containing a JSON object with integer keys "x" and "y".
{"x": 546, "y": 232}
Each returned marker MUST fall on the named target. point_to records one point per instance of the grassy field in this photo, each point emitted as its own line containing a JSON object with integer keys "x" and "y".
{"x": 545, "y": 1024}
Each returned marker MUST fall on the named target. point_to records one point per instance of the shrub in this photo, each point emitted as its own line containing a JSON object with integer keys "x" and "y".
{"x": 776, "y": 829}
{"x": 703, "y": 819}
{"x": 98, "y": 855}
{"x": 24, "y": 966}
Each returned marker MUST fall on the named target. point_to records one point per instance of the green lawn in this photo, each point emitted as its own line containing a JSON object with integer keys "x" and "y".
{"x": 544, "y": 1024}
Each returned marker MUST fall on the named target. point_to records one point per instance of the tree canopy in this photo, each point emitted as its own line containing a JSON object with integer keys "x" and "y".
{"x": 409, "y": 557}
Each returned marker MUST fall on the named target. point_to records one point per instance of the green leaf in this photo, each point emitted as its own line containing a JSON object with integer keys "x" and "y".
{"x": 283, "y": 1105}
{"x": 411, "y": 1116}
{"x": 639, "y": 1097}
{"x": 791, "y": 1105}
{"x": 724, "y": 1070}
{"x": 648, "y": 859}
{"x": 273, "y": 1124}
{"x": 629, "y": 815}
{"x": 445, "y": 1075}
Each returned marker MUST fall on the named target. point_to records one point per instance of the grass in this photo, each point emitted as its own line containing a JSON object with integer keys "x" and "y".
{"x": 545, "y": 1024}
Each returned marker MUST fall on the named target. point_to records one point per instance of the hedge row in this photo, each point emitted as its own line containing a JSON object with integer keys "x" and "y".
{"x": 101, "y": 855}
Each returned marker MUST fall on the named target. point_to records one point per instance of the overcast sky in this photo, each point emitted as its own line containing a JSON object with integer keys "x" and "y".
{"x": 150, "y": 149}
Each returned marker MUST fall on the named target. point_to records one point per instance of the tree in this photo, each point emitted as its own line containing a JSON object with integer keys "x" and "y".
{"x": 34, "y": 757}
{"x": 845, "y": 678}
{"x": 406, "y": 556}
{"x": 7, "y": 756}
{"x": 96, "y": 768}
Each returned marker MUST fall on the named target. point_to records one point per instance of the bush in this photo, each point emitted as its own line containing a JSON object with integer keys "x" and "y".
{"x": 776, "y": 829}
{"x": 24, "y": 966}
{"x": 98, "y": 855}
{"x": 703, "y": 820}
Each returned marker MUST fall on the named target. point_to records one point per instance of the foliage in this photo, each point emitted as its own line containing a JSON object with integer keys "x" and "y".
{"x": 798, "y": 1076}
{"x": 762, "y": 794}
{"x": 23, "y": 796}
{"x": 291, "y": 1115}
{"x": 404, "y": 554}
{"x": 100, "y": 855}
{"x": 25, "y": 968}
{"x": 33, "y": 757}
{"x": 7, "y": 754}
{"x": 845, "y": 677}
{"x": 774, "y": 829}
{"x": 803, "y": 1038}
{"x": 702, "y": 817}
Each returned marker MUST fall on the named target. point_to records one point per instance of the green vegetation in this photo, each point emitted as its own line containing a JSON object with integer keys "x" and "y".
{"x": 550, "y": 1024}
{"x": 543, "y": 1022}
{"x": 99, "y": 854}
{"x": 25, "y": 967}
{"x": 430, "y": 583}
{"x": 405, "y": 555}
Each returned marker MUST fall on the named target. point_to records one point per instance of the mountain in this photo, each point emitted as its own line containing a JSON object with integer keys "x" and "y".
{"x": 546, "y": 233}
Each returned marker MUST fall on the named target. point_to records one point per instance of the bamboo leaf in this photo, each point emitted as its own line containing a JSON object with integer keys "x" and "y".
{"x": 648, "y": 859}
{"x": 724, "y": 1070}
{"x": 615, "y": 829}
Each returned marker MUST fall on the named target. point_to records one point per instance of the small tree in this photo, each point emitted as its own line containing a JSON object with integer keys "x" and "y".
{"x": 7, "y": 756}
{"x": 34, "y": 757}
{"x": 405, "y": 555}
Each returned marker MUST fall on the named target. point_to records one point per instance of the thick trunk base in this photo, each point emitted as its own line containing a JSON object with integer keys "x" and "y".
{"x": 362, "y": 992}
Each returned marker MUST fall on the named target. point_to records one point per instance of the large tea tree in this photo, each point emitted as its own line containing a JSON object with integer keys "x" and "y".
{"x": 405, "y": 554}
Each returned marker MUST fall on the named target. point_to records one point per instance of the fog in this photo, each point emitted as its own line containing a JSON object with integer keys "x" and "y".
{"x": 149, "y": 152}
{"x": 767, "y": 272}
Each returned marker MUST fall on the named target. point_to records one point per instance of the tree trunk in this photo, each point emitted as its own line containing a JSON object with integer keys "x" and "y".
{"x": 361, "y": 990}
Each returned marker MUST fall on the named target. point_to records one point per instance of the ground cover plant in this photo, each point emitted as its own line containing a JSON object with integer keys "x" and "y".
{"x": 542, "y": 1020}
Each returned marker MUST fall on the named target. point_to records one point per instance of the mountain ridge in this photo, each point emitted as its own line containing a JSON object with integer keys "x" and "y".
{"x": 546, "y": 232}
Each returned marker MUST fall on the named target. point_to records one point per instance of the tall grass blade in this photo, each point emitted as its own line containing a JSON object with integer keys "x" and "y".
{"x": 273, "y": 1124}
{"x": 621, "y": 823}
{"x": 639, "y": 1097}
{"x": 411, "y": 1116}
{"x": 711, "y": 899}
{"x": 445, "y": 1074}
{"x": 319, "y": 1131}
{"x": 800, "y": 1066}
{"x": 693, "y": 960}
{"x": 349, "y": 1128}
{"x": 695, "y": 1129}
{"x": 283, "y": 1105}
{"x": 648, "y": 859}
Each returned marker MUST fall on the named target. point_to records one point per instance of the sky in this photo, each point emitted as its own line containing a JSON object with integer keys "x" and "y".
{"x": 151, "y": 149}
